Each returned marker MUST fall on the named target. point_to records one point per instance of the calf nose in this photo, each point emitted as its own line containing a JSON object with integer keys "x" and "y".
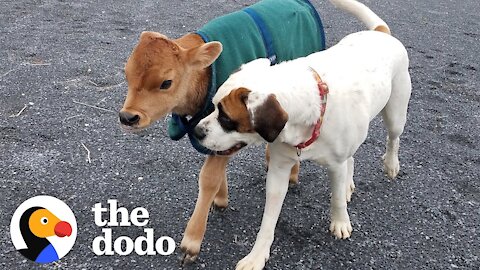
{"x": 128, "y": 119}
{"x": 199, "y": 133}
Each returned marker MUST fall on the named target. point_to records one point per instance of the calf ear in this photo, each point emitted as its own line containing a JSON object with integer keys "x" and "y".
{"x": 159, "y": 40}
{"x": 269, "y": 119}
{"x": 151, "y": 35}
{"x": 203, "y": 56}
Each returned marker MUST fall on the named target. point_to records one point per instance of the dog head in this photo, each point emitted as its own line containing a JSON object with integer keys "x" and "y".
{"x": 161, "y": 74}
{"x": 242, "y": 117}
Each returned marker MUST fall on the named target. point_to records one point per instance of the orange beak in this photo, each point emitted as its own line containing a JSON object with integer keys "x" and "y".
{"x": 63, "y": 228}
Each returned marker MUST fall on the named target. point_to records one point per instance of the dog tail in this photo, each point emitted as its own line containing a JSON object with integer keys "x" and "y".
{"x": 363, "y": 13}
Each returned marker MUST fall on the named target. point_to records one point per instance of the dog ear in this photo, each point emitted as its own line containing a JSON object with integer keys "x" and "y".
{"x": 203, "y": 56}
{"x": 269, "y": 119}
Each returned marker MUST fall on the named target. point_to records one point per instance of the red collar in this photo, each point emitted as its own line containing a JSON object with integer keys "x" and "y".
{"x": 323, "y": 91}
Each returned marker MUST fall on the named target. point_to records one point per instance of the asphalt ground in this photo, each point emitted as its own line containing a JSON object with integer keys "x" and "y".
{"x": 57, "y": 56}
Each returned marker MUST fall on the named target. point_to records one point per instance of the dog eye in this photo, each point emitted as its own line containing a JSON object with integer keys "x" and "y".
{"x": 166, "y": 84}
{"x": 226, "y": 123}
{"x": 224, "y": 119}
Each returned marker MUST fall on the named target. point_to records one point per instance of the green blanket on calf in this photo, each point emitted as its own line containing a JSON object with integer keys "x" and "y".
{"x": 276, "y": 29}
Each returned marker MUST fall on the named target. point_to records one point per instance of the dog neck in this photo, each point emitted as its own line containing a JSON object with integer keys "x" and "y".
{"x": 198, "y": 83}
{"x": 303, "y": 108}
{"x": 323, "y": 91}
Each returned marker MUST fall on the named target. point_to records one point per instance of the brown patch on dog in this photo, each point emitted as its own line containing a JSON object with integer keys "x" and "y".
{"x": 233, "y": 105}
{"x": 156, "y": 59}
{"x": 383, "y": 28}
{"x": 270, "y": 118}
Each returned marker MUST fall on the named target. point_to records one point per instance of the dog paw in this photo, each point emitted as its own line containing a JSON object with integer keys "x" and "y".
{"x": 350, "y": 190}
{"x": 253, "y": 261}
{"x": 190, "y": 250}
{"x": 391, "y": 166}
{"x": 341, "y": 229}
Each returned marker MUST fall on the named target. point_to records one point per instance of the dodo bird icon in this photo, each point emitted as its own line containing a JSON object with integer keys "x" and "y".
{"x": 36, "y": 224}
{"x": 43, "y": 229}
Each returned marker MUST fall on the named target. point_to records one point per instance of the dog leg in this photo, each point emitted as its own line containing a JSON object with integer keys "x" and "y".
{"x": 350, "y": 183}
{"x": 395, "y": 116}
{"x": 293, "y": 180}
{"x": 391, "y": 164}
{"x": 277, "y": 187}
{"x": 212, "y": 178}
{"x": 340, "y": 221}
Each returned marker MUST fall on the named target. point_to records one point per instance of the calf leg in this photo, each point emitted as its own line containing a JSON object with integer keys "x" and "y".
{"x": 212, "y": 181}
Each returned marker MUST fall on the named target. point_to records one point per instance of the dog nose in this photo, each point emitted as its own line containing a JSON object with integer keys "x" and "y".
{"x": 199, "y": 133}
{"x": 128, "y": 119}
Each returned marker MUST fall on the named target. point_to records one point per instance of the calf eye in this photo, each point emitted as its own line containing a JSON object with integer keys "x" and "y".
{"x": 166, "y": 84}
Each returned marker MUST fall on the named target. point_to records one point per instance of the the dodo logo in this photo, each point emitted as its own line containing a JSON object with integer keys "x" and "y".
{"x": 43, "y": 229}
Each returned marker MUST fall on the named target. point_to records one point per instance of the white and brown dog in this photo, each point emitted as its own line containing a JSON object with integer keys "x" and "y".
{"x": 303, "y": 117}
{"x": 172, "y": 76}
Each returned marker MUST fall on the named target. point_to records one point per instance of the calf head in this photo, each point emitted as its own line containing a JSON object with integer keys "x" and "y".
{"x": 164, "y": 76}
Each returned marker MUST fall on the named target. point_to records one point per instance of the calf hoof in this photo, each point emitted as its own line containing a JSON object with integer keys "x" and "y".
{"x": 220, "y": 203}
{"x": 216, "y": 208}
{"x": 190, "y": 250}
{"x": 293, "y": 180}
{"x": 186, "y": 259}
